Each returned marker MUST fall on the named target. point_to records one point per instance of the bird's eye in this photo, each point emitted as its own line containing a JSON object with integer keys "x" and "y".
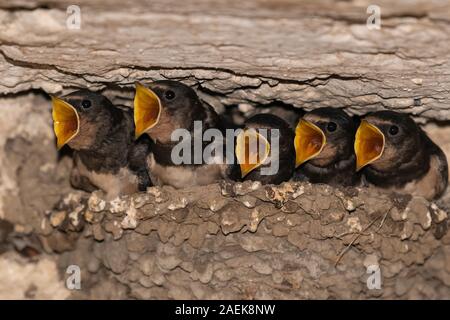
{"x": 86, "y": 104}
{"x": 331, "y": 126}
{"x": 169, "y": 94}
{"x": 393, "y": 130}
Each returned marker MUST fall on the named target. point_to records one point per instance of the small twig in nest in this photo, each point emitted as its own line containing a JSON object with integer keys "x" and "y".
{"x": 382, "y": 222}
{"x": 356, "y": 238}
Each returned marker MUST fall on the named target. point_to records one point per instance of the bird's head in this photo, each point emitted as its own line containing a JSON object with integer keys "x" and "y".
{"x": 79, "y": 118}
{"x": 385, "y": 139}
{"x": 265, "y": 141}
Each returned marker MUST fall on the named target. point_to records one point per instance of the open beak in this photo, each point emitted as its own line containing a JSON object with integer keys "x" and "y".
{"x": 309, "y": 141}
{"x": 252, "y": 150}
{"x": 66, "y": 122}
{"x": 369, "y": 144}
{"x": 147, "y": 109}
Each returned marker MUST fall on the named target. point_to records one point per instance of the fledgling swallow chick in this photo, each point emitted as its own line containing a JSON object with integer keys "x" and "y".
{"x": 159, "y": 110}
{"x": 324, "y": 148}
{"x": 106, "y": 155}
{"x": 264, "y": 151}
{"x": 393, "y": 152}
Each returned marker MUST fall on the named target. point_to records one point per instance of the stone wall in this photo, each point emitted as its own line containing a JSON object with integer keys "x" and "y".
{"x": 238, "y": 241}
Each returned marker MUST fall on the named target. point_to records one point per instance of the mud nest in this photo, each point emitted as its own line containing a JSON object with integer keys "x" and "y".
{"x": 249, "y": 241}
{"x": 221, "y": 241}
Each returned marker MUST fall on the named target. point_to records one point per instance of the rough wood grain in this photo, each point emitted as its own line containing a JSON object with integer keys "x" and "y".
{"x": 304, "y": 53}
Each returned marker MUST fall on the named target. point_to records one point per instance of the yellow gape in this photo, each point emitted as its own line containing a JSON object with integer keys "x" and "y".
{"x": 309, "y": 141}
{"x": 147, "y": 109}
{"x": 369, "y": 144}
{"x": 66, "y": 122}
{"x": 252, "y": 150}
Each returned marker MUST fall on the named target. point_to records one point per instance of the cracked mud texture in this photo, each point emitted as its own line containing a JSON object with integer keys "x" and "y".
{"x": 248, "y": 241}
{"x": 32, "y": 175}
{"x": 306, "y": 54}
{"x": 262, "y": 243}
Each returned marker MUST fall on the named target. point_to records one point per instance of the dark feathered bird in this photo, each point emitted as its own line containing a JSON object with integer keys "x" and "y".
{"x": 394, "y": 153}
{"x": 169, "y": 107}
{"x": 106, "y": 155}
{"x": 324, "y": 148}
{"x": 264, "y": 151}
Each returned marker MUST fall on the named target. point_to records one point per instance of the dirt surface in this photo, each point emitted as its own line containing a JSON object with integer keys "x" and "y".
{"x": 22, "y": 278}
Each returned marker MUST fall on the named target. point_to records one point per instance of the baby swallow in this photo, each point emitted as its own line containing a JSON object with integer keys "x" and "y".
{"x": 394, "y": 153}
{"x": 264, "y": 151}
{"x": 106, "y": 155}
{"x": 159, "y": 110}
{"x": 324, "y": 148}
